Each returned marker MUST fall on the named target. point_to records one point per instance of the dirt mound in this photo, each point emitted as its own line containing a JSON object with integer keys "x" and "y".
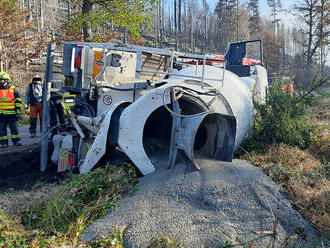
{"x": 224, "y": 202}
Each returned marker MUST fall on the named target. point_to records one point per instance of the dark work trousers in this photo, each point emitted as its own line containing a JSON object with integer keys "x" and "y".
{"x": 10, "y": 120}
{"x": 56, "y": 110}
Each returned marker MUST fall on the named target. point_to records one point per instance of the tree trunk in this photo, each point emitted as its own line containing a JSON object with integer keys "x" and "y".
{"x": 179, "y": 15}
{"x": 179, "y": 23}
{"x": 176, "y": 25}
{"x": 1, "y": 57}
{"x": 86, "y": 9}
{"x": 309, "y": 48}
{"x": 42, "y": 15}
{"x": 191, "y": 31}
{"x": 205, "y": 41}
{"x": 160, "y": 24}
{"x": 185, "y": 27}
{"x": 68, "y": 16}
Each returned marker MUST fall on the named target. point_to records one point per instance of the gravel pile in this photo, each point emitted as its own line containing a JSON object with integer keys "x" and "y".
{"x": 224, "y": 202}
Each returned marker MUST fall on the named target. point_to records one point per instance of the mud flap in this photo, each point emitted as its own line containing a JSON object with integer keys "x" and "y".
{"x": 205, "y": 136}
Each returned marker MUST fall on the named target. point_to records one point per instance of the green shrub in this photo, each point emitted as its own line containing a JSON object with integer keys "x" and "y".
{"x": 281, "y": 119}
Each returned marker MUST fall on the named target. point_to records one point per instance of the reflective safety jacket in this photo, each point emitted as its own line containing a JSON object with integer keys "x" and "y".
{"x": 10, "y": 100}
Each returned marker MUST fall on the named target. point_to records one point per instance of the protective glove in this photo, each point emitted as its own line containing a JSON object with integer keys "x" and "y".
{"x": 19, "y": 117}
{"x": 27, "y": 110}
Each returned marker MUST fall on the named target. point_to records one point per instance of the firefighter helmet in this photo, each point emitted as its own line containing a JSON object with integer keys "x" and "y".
{"x": 4, "y": 76}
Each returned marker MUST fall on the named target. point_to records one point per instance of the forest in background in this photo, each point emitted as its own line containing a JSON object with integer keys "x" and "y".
{"x": 293, "y": 143}
{"x": 300, "y": 52}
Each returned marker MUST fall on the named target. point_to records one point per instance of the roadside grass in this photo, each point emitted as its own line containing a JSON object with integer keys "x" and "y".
{"x": 164, "y": 242}
{"x": 13, "y": 234}
{"x": 59, "y": 220}
{"x": 115, "y": 240}
{"x": 294, "y": 150}
{"x": 305, "y": 179}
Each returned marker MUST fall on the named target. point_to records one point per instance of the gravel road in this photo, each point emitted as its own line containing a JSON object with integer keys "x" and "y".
{"x": 233, "y": 202}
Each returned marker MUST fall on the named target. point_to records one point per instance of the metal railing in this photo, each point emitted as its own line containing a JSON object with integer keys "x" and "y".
{"x": 173, "y": 55}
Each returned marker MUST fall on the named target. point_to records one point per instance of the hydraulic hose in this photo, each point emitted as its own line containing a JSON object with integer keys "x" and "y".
{"x": 212, "y": 92}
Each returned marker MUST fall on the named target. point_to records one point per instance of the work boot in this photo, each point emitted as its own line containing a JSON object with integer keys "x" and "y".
{"x": 33, "y": 135}
{"x": 17, "y": 143}
{"x": 2, "y": 146}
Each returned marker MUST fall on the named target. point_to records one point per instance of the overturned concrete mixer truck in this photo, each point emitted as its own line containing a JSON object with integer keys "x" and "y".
{"x": 149, "y": 105}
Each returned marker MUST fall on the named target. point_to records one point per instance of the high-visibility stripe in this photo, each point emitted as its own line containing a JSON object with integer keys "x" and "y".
{"x": 3, "y": 137}
{"x": 7, "y": 112}
{"x": 4, "y": 108}
{"x": 7, "y": 103}
{"x": 18, "y": 102}
{"x": 15, "y": 136}
{"x": 4, "y": 99}
{"x": 7, "y": 107}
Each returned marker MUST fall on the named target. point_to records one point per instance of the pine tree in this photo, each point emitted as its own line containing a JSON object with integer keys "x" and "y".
{"x": 254, "y": 26}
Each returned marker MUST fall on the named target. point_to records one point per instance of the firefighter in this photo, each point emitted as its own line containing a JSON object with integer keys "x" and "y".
{"x": 33, "y": 98}
{"x": 10, "y": 111}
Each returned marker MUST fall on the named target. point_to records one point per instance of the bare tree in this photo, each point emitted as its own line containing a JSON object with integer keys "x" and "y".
{"x": 323, "y": 31}
{"x": 176, "y": 24}
{"x": 192, "y": 11}
{"x": 309, "y": 22}
{"x": 205, "y": 18}
{"x": 276, "y": 7}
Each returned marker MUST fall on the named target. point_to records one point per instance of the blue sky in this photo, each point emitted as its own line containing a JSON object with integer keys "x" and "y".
{"x": 262, "y": 4}
{"x": 286, "y": 16}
